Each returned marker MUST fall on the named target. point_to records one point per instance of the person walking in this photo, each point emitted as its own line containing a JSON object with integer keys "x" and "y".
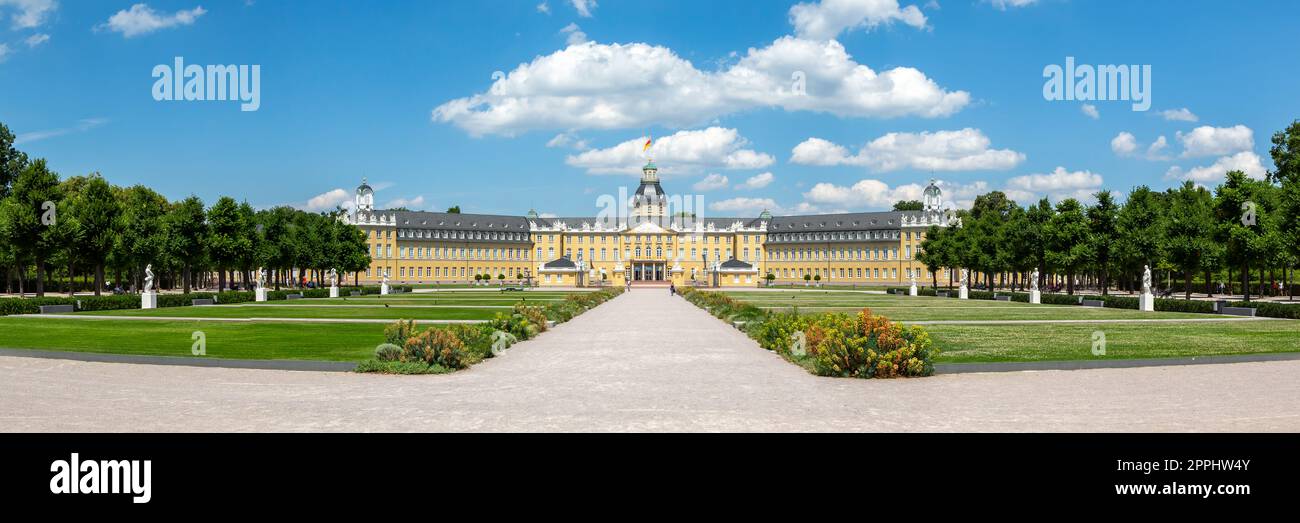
{"x": 672, "y": 289}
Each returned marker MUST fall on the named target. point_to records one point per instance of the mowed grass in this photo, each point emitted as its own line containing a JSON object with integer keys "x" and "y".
{"x": 926, "y": 308}
{"x": 259, "y": 341}
{"x": 1001, "y": 343}
{"x": 281, "y": 311}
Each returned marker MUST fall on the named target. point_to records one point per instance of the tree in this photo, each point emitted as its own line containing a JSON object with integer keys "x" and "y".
{"x": 1103, "y": 234}
{"x": 935, "y": 252}
{"x": 454, "y": 209}
{"x": 1067, "y": 240}
{"x": 1189, "y": 230}
{"x": 28, "y": 220}
{"x": 187, "y": 230}
{"x": 909, "y": 205}
{"x": 1286, "y": 160}
{"x": 12, "y": 161}
{"x": 226, "y": 238}
{"x": 99, "y": 213}
{"x": 1037, "y": 218}
{"x": 1243, "y": 222}
{"x": 1140, "y": 226}
{"x": 143, "y": 238}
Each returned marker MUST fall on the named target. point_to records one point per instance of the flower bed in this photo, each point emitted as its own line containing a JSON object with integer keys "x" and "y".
{"x": 862, "y": 345}
{"x": 446, "y": 348}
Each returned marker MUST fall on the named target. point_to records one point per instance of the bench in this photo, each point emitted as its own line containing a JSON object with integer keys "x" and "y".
{"x": 1092, "y": 303}
{"x": 511, "y": 289}
{"x": 293, "y": 296}
{"x": 1239, "y": 311}
{"x": 198, "y": 302}
{"x": 1001, "y": 298}
{"x": 943, "y": 294}
{"x": 354, "y": 293}
{"x": 56, "y": 309}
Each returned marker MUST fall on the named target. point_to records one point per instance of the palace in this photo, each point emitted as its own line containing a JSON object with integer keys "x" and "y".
{"x": 651, "y": 244}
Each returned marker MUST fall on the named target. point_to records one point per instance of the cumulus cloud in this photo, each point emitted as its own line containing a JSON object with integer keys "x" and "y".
{"x": 328, "y": 201}
{"x": 757, "y": 181}
{"x": 1157, "y": 149}
{"x": 1056, "y": 185}
{"x": 684, "y": 152}
{"x": 574, "y": 34}
{"x": 826, "y": 19}
{"x": 28, "y": 14}
{"x": 544, "y": 8}
{"x": 1123, "y": 144}
{"x": 1091, "y": 111}
{"x": 1178, "y": 115}
{"x": 584, "y": 7}
{"x": 415, "y": 204}
{"x": 620, "y": 86}
{"x": 711, "y": 182}
{"x": 870, "y": 194}
{"x": 1216, "y": 141}
{"x": 962, "y": 150}
{"x": 1245, "y": 161}
{"x": 745, "y": 206}
{"x": 140, "y": 19}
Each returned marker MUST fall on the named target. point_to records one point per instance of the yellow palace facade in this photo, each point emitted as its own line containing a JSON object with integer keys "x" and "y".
{"x": 648, "y": 246}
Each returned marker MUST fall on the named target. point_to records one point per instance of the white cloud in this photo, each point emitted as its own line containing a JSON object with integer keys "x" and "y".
{"x": 584, "y": 7}
{"x": 711, "y": 182}
{"x": 1216, "y": 141}
{"x": 1157, "y": 149}
{"x": 36, "y": 40}
{"x": 1004, "y": 4}
{"x": 567, "y": 140}
{"x": 544, "y": 8}
{"x": 1123, "y": 144}
{"x": 757, "y": 181}
{"x": 869, "y": 194}
{"x": 414, "y": 204}
{"x": 1245, "y": 161}
{"x": 28, "y": 14}
{"x": 4, "y": 52}
{"x": 961, "y": 150}
{"x": 826, "y": 19}
{"x": 1179, "y": 115}
{"x": 621, "y": 86}
{"x": 80, "y": 127}
{"x": 142, "y": 20}
{"x": 328, "y": 201}
{"x": 575, "y": 34}
{"x": 745, "y": 206}
{"x": 1091, "y": 111}
{"x": 1056, "y": 185}
{"x": 684, "y": 152}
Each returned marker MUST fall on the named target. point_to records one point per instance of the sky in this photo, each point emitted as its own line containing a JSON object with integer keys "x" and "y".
{"x": 795, "y": 107}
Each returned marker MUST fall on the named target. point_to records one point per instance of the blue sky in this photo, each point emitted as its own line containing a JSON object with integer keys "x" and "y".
{"x": 404, "y": 94}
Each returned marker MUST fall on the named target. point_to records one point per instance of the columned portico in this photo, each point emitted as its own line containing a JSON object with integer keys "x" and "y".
{"x": 649, "y": 271}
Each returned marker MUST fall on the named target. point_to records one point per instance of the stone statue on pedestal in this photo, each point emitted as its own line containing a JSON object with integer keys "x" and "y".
{"x": 333, "y": 276}
{"x": 964, "y": 275}
{"x": 1033, "y": 281}
{"x": 260, "y": 282}
{"x": 1146, "y": 279}
{"x": 148, "y": 278}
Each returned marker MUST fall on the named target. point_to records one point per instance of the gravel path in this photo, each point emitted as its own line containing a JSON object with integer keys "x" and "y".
{"x": 642, "y": 362}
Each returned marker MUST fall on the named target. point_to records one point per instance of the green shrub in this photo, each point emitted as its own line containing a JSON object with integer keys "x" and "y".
{"x": 398, "y": 332}
{"x": 399, "y": 367}
{"x": 388, "y": 352}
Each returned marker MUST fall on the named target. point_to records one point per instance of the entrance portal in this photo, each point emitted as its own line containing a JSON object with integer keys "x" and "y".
{"x": 649, "y": 271}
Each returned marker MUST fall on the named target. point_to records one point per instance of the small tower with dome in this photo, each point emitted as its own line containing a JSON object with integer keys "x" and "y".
{"x": 650, "y": 198}
{"x": 365, "y": 198}
{"x": 932, "y": 198}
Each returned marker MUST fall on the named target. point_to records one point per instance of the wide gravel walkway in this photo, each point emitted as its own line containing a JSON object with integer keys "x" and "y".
{"x": 642, "y": 362}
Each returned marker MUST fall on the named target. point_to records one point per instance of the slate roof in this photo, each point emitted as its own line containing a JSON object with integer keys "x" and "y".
{"x": 856, "y": 221}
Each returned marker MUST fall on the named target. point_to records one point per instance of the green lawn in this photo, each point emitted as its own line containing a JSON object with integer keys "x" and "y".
{"x": 925, "y": 308}
{"x": 997, "y": 343}
{"x": 280, "y": 311}
{"x": 293, "y": 341}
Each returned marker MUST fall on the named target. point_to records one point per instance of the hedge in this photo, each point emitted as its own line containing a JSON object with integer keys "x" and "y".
{"x": 108, "y": 302}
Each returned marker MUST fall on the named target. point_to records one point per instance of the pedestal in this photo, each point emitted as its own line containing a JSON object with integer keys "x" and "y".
{"x": 334, "y": 291}
{"x": 383, "y": 288}
{"x": 259, "y": 294}
{"x": 912, "y": 291}
{"x": 963, "y": 293}
{"x": 1147, "y": 302}
{"x": 149, "y": 300}
{"x": 1035, "y": 297}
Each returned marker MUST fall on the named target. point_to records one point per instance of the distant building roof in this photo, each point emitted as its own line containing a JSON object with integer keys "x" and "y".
{"x": 560, "y": 263}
